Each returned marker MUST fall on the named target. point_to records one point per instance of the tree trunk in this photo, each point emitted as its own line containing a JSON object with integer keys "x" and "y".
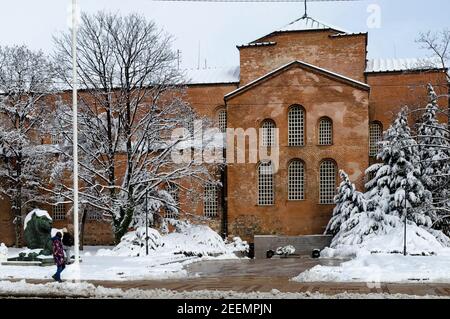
{"x": 17, "y": 202}
{"x": 18, "y": 227}
{"x": 122, "y": 225}
{"x": 83, "y": 223}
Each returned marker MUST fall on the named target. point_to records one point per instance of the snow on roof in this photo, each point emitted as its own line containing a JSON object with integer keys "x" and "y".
{"x": 257, "y": 44}
{"x": 393, "y": 65}
{"x": 212, "y": 75}
{"x": 232, "y": 74}
{"x": 308, "y": 24}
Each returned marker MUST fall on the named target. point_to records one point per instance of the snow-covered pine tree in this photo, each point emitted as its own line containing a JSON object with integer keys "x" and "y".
{"x": 434, "y": 153}
{"x": 348, "y": 201}
{"x": 350, "y": 223}
{"x": 397, "y": 175}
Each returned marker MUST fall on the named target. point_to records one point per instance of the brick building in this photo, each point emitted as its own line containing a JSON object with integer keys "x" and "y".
{"x": 330, "y": 103}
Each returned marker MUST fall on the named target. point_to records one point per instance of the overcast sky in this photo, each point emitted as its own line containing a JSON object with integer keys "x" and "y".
{"x": 219, "y": 27}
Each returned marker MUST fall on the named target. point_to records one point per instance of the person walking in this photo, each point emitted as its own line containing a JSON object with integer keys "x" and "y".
{"x": 68, "y": 242}
{"x": 58, "y": 256}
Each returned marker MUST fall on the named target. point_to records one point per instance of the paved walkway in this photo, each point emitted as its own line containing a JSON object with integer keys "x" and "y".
{"x": 265, "y": 275}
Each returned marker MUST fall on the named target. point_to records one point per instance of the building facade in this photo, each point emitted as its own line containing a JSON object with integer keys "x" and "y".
{"x": 329, "y": 103}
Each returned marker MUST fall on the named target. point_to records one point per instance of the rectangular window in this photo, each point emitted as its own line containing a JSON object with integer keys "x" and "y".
{"x": 93, "y": 215}
{"x": 296, "y": 126}
{"x": 325, "y": 132}
{"x": 327, "y": 182}
{"x": 59, "y": 212}
{"x": 210, "y": 201}
{"x": 265, "y": 184}
{"x": 174, "y": 191}
{"x": 56, "y": 139}
{"x": 296, "y": 179}
{"x": 375, "y": 137}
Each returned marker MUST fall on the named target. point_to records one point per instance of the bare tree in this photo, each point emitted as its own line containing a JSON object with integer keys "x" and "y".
{"x": 131, "y": 103}
{"x": 25, "y": 84}
{"x": 438, "y": 43}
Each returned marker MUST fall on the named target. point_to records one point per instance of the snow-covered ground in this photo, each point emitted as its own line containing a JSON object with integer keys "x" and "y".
{"x": 378, "y": 268}
{"x": 168, "y": 255}
{"x": 86, "y": 290}
{"x": 99, "y": 267}
{"x": 379, "y": 260}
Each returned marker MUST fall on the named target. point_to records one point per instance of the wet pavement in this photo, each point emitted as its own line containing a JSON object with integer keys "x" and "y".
{"x": 266, "y": 275}
{"x": 280, "y": 267}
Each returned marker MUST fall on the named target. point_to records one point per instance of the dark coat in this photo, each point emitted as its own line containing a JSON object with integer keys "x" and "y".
{"x": 58, "y": 251}
{"x": 68, "y": 240}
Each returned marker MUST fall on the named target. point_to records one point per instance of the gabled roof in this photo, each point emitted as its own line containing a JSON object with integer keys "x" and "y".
{"x": 305, "y": 23}
{"x": 223, "y": 75}
{"x": 397, "y": 65}
{"x": 303, "y": 65}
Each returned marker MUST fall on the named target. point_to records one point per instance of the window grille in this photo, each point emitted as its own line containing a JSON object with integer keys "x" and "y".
{"x": 296, "y": 126}
{"x": 296, "y": 181}
{"x": 265, "y": 184}
{"x": 325, "y": 131}
{"x": 174, "y": 191}
{"x": 210, "y": 202}
{"x": 59, "y": 212}
{"x": 222, "y": 120}
{"x": 375, "y": 137}
{"x": 56, "y": 139}
{"x": 327, "y": 182}
{"x": 268, "y": 133}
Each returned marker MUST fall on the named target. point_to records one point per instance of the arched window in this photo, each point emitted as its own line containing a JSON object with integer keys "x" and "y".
{"x": 296, "y": 180}
{"x": 327, "y": 182}
{"x": 210, "y": 201}
{"x": 265, "y": 184}
{"x": 296, "y": 126}
{"x": 222, "y": 120}
{"x": 375, "y": 136}
{"x": 325, "y": 131}
{"x": 268, "y": 133}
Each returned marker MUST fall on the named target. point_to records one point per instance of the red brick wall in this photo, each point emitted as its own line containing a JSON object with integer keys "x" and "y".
{"x": 392, "y": 91}
{"x": 345, "y": 55}
{"x": 208, "y": 99}
{"x": 6, "y": 226}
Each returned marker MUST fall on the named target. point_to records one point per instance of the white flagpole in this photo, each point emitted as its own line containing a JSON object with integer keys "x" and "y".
{"x": 75, "y": 131}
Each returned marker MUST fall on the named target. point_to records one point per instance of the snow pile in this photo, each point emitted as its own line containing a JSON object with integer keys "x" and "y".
{"x": 195, "y": 240}
{"x": 383, "y": 268}
{"x": 419, "y": 241}
{"x": 3, "y": 252}
{"x": 37, "y": 212}
{"x": 86, "y": 290}
{"x": 286, "y": 250}
{"x": 189, "y": 240}
{"x": 238, "y": 245}
{"x": 133, "y": 244}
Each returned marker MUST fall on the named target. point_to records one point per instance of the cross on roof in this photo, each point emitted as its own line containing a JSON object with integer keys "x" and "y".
{"x": 306, "y": 9}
